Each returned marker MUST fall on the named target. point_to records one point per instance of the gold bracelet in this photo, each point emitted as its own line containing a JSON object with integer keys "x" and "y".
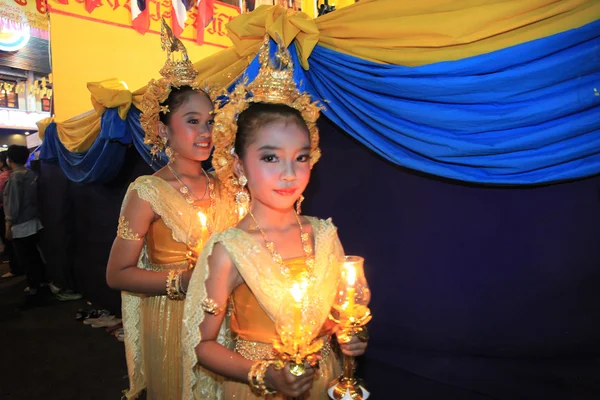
{"x": 173, "y": 285}
{"x": 210, "y": 306}
{"x": 256, "y": 377}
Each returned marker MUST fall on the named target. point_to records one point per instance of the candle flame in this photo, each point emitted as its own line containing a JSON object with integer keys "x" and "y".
{"x": 351, "y": 274}
{"x": 202, "y": 217}
{"x": 297, "y": 292}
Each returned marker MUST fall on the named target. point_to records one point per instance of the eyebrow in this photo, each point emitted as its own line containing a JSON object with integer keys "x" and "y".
{"x": 269, "y": 147}
{"x": 195, "y": 113}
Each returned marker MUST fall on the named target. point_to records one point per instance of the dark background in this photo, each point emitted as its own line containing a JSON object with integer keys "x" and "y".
{"x": 478, "y": 292}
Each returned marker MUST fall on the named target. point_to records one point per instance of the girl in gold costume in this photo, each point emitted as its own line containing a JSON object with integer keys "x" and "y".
{"x": 165, "y": 219}
{"x": 266, "y": 139}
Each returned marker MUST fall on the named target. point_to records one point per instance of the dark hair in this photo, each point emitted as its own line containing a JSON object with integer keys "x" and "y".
{"x": 176, "y": 98}
{"x": 17, "y": 154}
{"x": 261, "y": 114}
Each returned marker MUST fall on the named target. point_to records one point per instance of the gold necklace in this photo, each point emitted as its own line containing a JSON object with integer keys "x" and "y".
{"x": 185, "y": 189}
{"x": 306, "y": 246}
{"x": 192, "y": 253}
{"x": 210, "y": 189}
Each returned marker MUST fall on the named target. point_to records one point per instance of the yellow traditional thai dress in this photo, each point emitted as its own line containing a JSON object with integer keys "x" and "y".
{"x": 250, "y": 327}
{"x": 152, "y": 324}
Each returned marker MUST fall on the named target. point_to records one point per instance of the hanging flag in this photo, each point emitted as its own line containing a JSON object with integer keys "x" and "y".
{"x": 140, "y": 17}
{"x": 178, "y": 16}
{"x": 90, "y": 5}
{"x": 206, "y": 12}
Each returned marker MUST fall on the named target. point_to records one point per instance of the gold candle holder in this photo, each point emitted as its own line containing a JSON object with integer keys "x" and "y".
{"x": 351, "y": 314}
{"x": 296, "y": 343}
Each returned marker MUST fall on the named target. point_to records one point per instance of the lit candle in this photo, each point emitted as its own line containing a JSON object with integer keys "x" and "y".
{"x": 241, "y": 211}
{"x": 351, "y": 280}
{"x": 203, "y": 227}
{"x": 297, "y": 293}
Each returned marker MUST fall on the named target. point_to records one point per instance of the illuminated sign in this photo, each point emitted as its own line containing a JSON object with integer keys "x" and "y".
{"x": 14, "y": 119}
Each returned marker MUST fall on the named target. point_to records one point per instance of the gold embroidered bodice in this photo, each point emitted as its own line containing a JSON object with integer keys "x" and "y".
{"x": 248, "y": 320}
{"x": 162, "y": 249}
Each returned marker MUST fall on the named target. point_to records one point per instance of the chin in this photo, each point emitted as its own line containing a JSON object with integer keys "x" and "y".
{"x": 282, "y": 205}
{"x": 200, "y": 156}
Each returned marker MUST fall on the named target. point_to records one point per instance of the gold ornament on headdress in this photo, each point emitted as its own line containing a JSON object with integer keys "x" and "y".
{"x": 178, "y": 71}
{"x": 273, "y": 84}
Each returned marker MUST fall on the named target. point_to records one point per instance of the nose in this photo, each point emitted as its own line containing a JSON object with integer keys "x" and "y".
{"x": 289, "y": 172}
{"x": 204, "y": 130}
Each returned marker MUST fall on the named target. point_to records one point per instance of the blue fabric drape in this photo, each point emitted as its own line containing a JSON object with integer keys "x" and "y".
{"x": 104, "y": 159}
{"x": 527, "y": 114}
{"x": 101, "y": 162}
{"x": 522, "y": 115}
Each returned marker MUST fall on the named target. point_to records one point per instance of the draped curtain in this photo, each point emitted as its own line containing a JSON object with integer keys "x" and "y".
{"x": 493, "y": 92}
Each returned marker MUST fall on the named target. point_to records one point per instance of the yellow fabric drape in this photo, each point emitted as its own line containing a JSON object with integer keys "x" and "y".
{"x": 247, "y": 31}
{"x": 42, "y": 125}
{"x": 398, "y": 32}
{"x": 412, "y": 33}
{"x": 110, "y": 94}
{"x": 79, "y": 133}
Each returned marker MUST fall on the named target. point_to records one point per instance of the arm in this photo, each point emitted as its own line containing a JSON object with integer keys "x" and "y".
{"x": 11, "y": 197}
{"x": 11, "y": 206}
{"x": 223, "y": 278}
{"x": 122, "y": 272}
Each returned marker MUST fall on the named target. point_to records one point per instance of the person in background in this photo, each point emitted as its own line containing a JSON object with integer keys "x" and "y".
{"x": 8, "y": 253}
{"x": 22, "y": 222}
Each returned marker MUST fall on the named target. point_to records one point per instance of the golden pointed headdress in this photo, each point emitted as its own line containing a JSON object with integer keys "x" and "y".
{"x": 273, "y": 84}
{"x": 178, "y": 71}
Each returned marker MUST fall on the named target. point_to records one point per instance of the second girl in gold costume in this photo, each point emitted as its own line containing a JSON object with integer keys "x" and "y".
{"x": 165, "y": 220}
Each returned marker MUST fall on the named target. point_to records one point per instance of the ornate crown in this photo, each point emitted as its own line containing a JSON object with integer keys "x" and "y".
{"x": 273, "y": 84}
{"x": 178, "y": 71}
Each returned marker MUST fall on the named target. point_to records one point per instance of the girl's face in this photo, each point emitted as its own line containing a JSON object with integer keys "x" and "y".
{"x": 277, "y": 164}
{"x": 190, "y": 128}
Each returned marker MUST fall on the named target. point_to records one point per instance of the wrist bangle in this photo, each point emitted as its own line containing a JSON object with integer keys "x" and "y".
{"x": 256, "y": 377}
{"x": 174, "y": 285}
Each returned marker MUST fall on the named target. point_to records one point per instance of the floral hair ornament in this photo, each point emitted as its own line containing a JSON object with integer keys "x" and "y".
{"x": 273, "y": 84}
{"x": 177, "y": 72}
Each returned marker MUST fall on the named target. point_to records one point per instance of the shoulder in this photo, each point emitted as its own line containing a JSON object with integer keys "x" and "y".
{"x": 144, "y": 190}
{"x": 149, "y": 184}
{"x": 231, "y": 240}
{"x": 146, "y": 180}
{"x": 219, "y": 258}
{"x": 319, "y": 224}
{"x": 219, "y": 254}
{"x": 228, "y": 236}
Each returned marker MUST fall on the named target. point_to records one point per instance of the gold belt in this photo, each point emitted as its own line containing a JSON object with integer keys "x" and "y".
{"x": 255, "y": 351}
{"x": 167, "y": 267}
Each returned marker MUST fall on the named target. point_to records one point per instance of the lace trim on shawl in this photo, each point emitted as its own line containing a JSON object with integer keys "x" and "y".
{"x": 130, "y": 306}
{"x": 165, "y": 202}
{"x": 327, "y": 248}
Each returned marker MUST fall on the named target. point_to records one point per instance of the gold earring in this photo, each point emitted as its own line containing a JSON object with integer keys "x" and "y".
{"x": 298, "y": 205}
{"x": 242, "y": 198}
{"x": 170, "y": 154}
